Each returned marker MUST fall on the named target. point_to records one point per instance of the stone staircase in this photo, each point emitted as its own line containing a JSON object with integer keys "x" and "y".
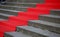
{"x": 30, "y": 18}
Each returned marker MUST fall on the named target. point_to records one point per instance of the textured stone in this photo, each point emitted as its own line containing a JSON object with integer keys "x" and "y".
{"x": 45, "y": 25}
{"x": 29, "y": 30}
{"x": 4, "y": 16}
{"x": 11, "y": 12}
{"x": 55, "y": 12}
{"x": 18, "y": 8}
{"x": 21, "y": 4}
{"x": 50, "y": 18}
{"x": 15, "y": 34}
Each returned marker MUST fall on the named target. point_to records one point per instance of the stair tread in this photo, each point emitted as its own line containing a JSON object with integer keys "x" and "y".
{"x": 19, "y": 18}
{"x": 2, "y": 19}
{"x": 20, "y": 3}
{"x": 5, "y": 14}
{"x": 46, "y": 23}
{"x": 56, "y": 9}
{"x": 15, "y": 6}
{"x": 17, "y": 34}
{"x": 9, "y": 10}
{"x": 30, "y": 14}
{"x": 53, "y": 16}
{"x": 9, "y": 24}
{"x": 40, "y": 31}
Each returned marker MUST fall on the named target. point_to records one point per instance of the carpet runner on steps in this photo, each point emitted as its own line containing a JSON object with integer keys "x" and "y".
{"x": 52, "y": 1}
{"x": 31, "y": 14}
{"x": 37, "y": 28}
{"x": 49, "y": 5}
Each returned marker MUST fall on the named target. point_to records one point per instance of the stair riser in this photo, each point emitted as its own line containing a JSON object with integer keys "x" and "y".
{"x": 31, "y": 1}
{"x": 6, "y": 35}
{"x": 19, "y": 21}
{"x": 21, "y": 9}
{"x": 38, "y": 10}
{"x": 50, "y": 19}
{"x": 14, "y": 8}
{"x": 8, "y": 12}
{"x": 53, "y": 29}
{"x": 44, "y": 27}
{"x": 11, "y": 0}
{"x": 12, "y": 27}
{"x": 35, "y": 25}
{"x": 33, "y": 34}
{"x": 27, "y": 5}
{"x": 55, "y": 12}
{"x": 33, "y": 17}
{"x": 5, "y": 7}
{"x": 3, "y": 17}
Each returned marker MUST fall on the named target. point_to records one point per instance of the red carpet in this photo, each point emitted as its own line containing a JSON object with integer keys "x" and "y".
{"x": 31, "y": 14}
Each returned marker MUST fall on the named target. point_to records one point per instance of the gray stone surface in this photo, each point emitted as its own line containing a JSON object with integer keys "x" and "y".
{"x": 29, "y": 1}
{"x": 45, "y": 25}
{"x": 15, "y": 34}
{"x": 44, "y": 33}
{"x": 1, "y": 19}
{"x": 4, "y": 16}
{"x": 7, "y": 11}
{"x": 18, "y": 8}
{"x": 50, "y": 18}
{"x": 55, "y": 12}
{"x": 21, "y": 4}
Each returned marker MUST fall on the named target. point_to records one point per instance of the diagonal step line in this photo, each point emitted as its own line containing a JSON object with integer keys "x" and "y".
{"x": 17, "y": 34}
{"x": 15, "y": 6}
{"x": 45, "y": 23}
{"x": 53, "y": 16}
{"x": 10, "y": 10}
{"x": 5, "y": 14}
{"x": 20, "y": 3}
{"x": 55, "y": 9}
{"x": 2, "y": 19}
{"x": 40, "y": 31}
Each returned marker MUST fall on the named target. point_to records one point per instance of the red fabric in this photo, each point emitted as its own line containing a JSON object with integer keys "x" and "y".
{"x": 31, "y": 14}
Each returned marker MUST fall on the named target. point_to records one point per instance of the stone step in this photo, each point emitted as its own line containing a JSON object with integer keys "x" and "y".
{"x": 15, "y": 34}
{"x": 55, "y": 12}
{"x": 21, "y": 4}
{"x": 1, "y": 19}
{"x": 11, "y": 12}
{"x": 4, "y": 16}
{"x": 50, "y": 18}
{"x": 36, "y": 32}
{"x": 30, "y": 1}
{"x": 14, "y": 7}
{"x": 54, "y": 27}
